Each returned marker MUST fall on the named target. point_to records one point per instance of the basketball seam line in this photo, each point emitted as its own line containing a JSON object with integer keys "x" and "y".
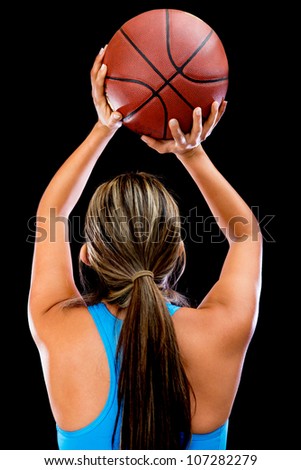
{"x": 179, "y": 70}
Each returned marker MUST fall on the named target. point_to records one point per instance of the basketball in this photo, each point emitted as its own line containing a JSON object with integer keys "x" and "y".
{"x": 161, "y": 64}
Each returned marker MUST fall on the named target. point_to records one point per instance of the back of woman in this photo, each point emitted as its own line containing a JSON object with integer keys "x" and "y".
{"x": 127, "y": 363}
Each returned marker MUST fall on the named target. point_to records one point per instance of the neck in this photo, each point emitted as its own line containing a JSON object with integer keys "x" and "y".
{"x": 116, "y": 310}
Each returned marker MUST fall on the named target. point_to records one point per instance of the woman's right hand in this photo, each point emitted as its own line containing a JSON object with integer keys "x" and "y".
{"x": 185, "y": 144}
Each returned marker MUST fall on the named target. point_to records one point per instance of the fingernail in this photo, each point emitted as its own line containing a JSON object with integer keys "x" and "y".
{"x": 173, "y": 122}
{"x": 103, "y": 66}
{"x": 101, "y": 51}
{"x": 198, "y": 111}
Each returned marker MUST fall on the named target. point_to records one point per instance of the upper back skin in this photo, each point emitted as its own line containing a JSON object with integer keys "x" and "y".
{"x": 77, "y": 373}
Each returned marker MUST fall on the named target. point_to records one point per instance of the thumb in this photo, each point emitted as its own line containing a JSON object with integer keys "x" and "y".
{"x": 115, "y": 120}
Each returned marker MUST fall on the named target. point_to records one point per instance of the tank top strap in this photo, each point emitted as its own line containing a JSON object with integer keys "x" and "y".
{"x": 172, "y": 308}
{"x": 108, "y": 327}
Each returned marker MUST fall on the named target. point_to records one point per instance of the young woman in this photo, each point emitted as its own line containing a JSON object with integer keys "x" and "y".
{"x": 127, "y": 364}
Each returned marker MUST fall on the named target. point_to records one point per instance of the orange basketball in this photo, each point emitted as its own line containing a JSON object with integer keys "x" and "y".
{"x": 161, "y": 65}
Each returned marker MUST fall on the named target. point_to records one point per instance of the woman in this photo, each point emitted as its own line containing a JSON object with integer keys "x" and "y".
{"x": 128, "y": 365}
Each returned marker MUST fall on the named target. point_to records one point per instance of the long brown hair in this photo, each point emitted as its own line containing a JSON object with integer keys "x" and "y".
{"x": 133, "y": 224}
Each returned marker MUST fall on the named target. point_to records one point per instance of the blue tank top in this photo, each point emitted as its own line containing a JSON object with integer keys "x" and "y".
{"x": 98, "y": 434}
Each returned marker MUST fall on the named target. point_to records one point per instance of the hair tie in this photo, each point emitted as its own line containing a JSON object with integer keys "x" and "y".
{"x": 141, "y": 274}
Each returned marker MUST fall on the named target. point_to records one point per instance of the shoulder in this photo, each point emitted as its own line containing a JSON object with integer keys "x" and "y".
{"x": 209, "y": 327}
{"x": 196, "y": 315}
{"x": 63, "y": 326}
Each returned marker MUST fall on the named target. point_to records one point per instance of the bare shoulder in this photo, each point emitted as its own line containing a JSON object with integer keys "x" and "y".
{"x": 213, "y": 353}
{"x": 195, "y": 322}
{"x": 64, "y": 326}
{"x": 75, "y": 365}
{"x": 210, "y": 328}
{"x": 69, "y": 344}
{"x": 191, "y": 318}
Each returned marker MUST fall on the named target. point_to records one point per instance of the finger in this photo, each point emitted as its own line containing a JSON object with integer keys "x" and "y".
{"x": 221, "y": 111}
{"x": 176, "y": 132}
{"x": 211, "y": 120}
{"x": 153, "y": 143}
{"x": 97, "y": 62}
{"x": 102, "y": 51}
{"x": 150, "y": 141}
{"x": 101, "y": 74}
{"x": 196, "y": 130}
{"x": 213, "y": 114}
{"x": 99, "y": 81}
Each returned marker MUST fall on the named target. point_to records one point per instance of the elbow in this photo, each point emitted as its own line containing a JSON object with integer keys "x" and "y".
{"x": 256, "y": 230}
{"x": 242, "y": 228}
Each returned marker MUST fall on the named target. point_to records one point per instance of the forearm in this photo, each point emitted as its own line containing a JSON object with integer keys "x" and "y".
{"x": 232, "y": 214}
{"x": 67, "y": 185}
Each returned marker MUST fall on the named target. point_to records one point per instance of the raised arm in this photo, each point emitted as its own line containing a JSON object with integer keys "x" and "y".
{"x": 234, "y": 299}
{"x": 52, "y": 276}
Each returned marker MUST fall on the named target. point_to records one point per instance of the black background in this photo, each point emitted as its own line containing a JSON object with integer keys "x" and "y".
{"x": 53, "y": 113}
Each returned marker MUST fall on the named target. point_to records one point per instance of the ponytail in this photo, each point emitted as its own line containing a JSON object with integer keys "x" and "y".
{"x": 154, "y": 392}
{"x": 133, "y": 222}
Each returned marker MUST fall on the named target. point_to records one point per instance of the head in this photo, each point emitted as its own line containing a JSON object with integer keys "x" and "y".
{"x": 132, "y": 224}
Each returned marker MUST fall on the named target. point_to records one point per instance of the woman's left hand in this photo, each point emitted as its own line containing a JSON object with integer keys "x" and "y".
{"x": 108, "y": 117}
{"x": 182, "y": 143}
